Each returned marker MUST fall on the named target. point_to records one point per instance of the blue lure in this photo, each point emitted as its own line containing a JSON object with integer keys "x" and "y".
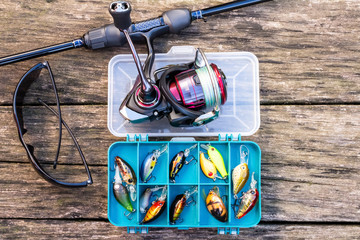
{"x": 148, "y": 165}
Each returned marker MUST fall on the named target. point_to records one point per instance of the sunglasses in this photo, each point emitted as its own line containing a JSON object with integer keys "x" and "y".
{"x": 18, "y": 103}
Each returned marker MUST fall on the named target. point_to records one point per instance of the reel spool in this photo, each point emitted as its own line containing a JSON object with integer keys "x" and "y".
{"x": 194, "y": 91}
{"x": 193, "y": 88}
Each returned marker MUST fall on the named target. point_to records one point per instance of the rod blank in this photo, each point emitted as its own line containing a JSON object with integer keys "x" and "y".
{"x": 41, "y": 52}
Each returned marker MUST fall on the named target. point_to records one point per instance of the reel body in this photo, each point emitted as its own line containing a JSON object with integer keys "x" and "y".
{"x": 187, "y": 94}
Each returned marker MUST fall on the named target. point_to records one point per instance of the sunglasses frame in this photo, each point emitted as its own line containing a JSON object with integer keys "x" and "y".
{"x": 20, "y": 91}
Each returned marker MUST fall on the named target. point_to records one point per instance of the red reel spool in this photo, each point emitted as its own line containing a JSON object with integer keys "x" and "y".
{"x": 188, "y": 90}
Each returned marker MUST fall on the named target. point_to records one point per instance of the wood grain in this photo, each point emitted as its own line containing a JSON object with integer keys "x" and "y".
{"x": 45, "y": 229}
{"x": 309, "y": 53}
{"x": 309, "y": 50}
{"x": 310, "y": 170}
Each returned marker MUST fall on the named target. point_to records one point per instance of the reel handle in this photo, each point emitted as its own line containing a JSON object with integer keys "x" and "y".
{"x": 120, "y": 11}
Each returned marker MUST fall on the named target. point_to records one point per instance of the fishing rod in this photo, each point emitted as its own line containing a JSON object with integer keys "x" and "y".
{"x": 172, "y": 21}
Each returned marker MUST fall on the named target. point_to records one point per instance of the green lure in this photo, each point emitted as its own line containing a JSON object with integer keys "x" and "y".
{"x": 121, "y": 193}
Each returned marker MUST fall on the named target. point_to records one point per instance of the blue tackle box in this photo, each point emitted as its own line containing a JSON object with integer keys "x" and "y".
{"x": 240, "y": 116}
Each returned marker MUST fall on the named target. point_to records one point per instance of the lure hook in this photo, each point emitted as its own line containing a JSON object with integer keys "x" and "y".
{"x": 193, "y": 158}
{"x": 152, "y": 176}
{"x": 129, "y": 215}
{"x": 191, "y": 201}
{"x": 233, "y": 206}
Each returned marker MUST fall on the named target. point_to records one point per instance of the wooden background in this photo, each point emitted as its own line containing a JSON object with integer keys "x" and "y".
{"x": 309, "y": 53}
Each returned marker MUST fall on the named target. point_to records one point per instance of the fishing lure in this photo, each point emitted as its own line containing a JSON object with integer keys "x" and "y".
{"x": 121, "y": 193}
{"x": 145, "y": 198}
{"x": 208, "y": 168}
{"x": 248, "y": 200}
{"x": 157, "y": 207}
{"x": 128, "y": 176}
{"x": 215, "y": 205}
{"x": 148, "y": 165}
{"x": 240, "y": 173}
{"x": 178, "y": 162}
{"x": 180, "y": 203}
{"x": 216, "y": 158}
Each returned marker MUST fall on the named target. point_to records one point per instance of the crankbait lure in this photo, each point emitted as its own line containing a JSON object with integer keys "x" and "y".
{"x": 157, "y": 207}
{"x": 145, "y": 198}
{"x": 121, "y": 193}
{"x": 215, "y": 205}
{"x": 208, "y": 168}
{"x": 178, "y": 162}
{"x": 180, "y": 203}
{"x": 248, "y": 199}
{"x": 240, "y": 173}
{"x": 216, "y": 158}
{"x": 128, "y": 176}
{"x": 148, "y": 165}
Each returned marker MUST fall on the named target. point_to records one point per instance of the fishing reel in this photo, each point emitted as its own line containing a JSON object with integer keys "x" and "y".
{"x": 187, "y": 94}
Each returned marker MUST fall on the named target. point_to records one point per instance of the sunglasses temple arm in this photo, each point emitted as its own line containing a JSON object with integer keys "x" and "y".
{"x": 90, "y": 181}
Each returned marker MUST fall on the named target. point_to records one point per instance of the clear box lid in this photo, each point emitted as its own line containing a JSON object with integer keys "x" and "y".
{"x": 240, "y": 115}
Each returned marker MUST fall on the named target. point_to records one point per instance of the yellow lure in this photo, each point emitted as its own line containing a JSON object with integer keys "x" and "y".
{"x": 207, "y": 167}
{"x": 240, "y": 175}
{"x": 217, "y": 159}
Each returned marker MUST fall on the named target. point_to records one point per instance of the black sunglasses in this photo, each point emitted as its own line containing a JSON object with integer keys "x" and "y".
{"x": 20, "y": 90}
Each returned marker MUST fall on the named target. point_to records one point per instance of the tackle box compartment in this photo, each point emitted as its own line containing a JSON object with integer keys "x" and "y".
{"x": 240, "y": 116}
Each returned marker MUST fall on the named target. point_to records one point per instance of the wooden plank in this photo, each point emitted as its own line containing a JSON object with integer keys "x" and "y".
{"x": 308, "y": 50}
{"x": 292, "y": 134}
{"x": 310, "y": 167}
{"x": 45, "y": 229}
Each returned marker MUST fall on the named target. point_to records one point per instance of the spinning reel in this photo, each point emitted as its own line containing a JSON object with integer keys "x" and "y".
{"x": 187, "y": 94}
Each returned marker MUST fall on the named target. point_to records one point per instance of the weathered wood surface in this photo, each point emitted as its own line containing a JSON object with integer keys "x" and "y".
{"x": 309, "y": 53}
{"x": 50, "y": 229}
{"x": 309, "y": 50}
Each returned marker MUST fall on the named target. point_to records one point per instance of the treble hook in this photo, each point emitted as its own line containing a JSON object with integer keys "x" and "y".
{"x": 129, "y": 214}
{"x": 234, "y": 206}
{"x": 191, "y": 201}
{"x": 187, "y": 162}
{"x": 152, "y": 176}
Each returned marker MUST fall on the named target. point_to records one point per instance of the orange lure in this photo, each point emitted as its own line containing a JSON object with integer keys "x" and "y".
{"x": 156, "y": 209}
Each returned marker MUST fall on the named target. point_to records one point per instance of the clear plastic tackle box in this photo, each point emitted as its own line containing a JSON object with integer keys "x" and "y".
{"x": 239, "y": 116}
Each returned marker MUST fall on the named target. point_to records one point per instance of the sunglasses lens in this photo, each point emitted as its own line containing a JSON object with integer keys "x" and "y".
{"x": 44, "y": 131}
